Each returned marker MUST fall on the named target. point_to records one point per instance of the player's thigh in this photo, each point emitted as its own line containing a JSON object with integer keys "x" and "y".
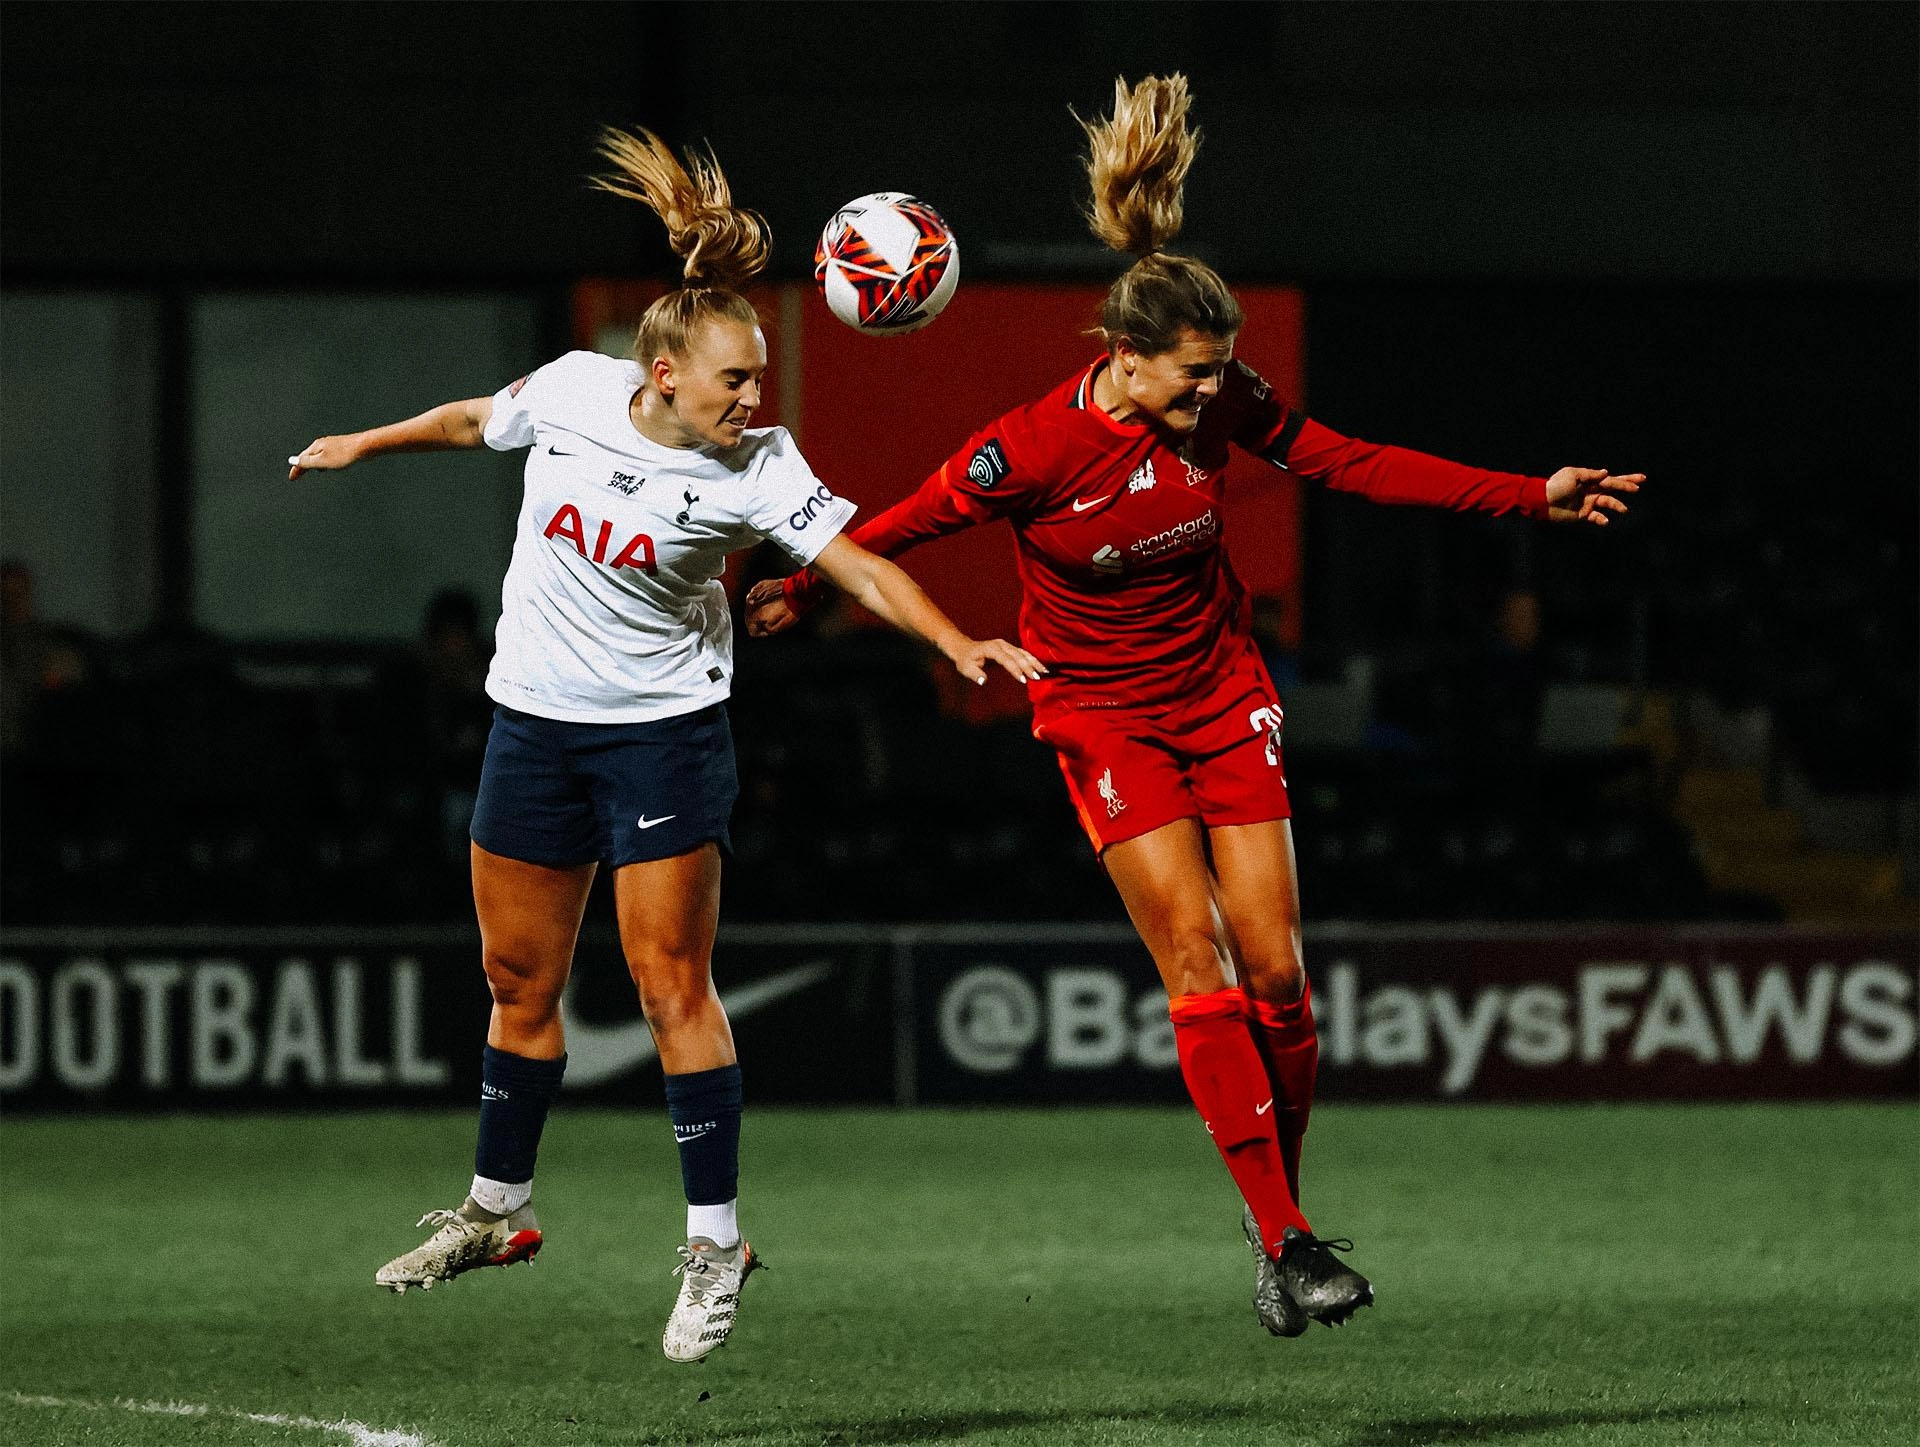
{"x": 1163, "y": 880}
{"x": 532, "y": 805}
{"x": 1258, "y": 887}
{"x": 669, "y": 912}
{"x": 529, "y": 920}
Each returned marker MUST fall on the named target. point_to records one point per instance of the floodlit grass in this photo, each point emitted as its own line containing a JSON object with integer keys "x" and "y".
{"x": 1599, "y": 1276}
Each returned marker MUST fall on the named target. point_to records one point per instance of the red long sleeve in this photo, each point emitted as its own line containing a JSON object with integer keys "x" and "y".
{"x": 1401, "y": 475}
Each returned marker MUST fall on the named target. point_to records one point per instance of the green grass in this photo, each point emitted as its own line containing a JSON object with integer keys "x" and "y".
{"x": 1595, "y": 1276}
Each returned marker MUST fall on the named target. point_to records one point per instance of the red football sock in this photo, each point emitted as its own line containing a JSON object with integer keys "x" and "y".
{"x": 1229, "y": 1086}
{"x": 1290, "y": 1046}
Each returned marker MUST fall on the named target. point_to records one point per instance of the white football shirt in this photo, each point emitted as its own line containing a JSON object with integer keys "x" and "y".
{"x": 612, "y": 610}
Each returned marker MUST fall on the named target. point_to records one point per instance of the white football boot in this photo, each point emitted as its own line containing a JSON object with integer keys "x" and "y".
{"x": 710, "y": 1280}
{"x": 466, "y": 1238}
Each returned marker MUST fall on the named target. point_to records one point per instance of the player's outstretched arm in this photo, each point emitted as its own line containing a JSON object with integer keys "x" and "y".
{"x": 882, "y": 588}
{"x": 1589, "y": 494}
{"x": 447, "y": 427}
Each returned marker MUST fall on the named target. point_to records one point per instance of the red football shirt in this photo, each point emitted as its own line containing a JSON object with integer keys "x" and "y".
{"x": 1127, "y": 593}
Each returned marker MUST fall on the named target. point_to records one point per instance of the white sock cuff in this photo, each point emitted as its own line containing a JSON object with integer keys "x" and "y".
{"x": 500, "y": 1197}
{"x": 719, "y": 1224}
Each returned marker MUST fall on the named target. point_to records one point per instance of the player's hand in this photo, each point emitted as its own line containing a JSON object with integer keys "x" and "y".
{"x": 323, "y": 454}
{"x": 972, "y": 658}
{"x": 767, "y": 610}
{"x": 1589, "y": 494}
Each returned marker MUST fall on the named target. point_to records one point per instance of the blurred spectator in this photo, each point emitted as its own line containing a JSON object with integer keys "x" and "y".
{"x": 458, "y": 712}
{"x": 36, "y": 658}
{"x": 1505, "y": 686}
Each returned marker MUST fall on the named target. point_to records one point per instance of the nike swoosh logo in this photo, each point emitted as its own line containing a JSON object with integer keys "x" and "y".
{"x": 598, "y": 1053}
{"x": 645, "y": 823}
{"x": 553, "y": 451}
{"x": 1263, "y": 1109}
{"x": 1079, "y": 506}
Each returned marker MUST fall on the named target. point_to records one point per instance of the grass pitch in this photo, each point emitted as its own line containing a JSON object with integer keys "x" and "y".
{"x": 1599, "y": 1276}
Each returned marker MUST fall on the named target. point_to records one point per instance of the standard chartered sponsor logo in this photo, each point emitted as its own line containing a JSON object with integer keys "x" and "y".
{"x": 994, "y": 1020}
{"x": 1204, "y": 526}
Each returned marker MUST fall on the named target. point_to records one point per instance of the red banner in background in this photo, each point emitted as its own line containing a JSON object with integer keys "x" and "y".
{"x": 876, "y": 415}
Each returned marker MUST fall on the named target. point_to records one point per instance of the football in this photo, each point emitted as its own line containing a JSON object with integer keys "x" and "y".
{"x": 887, "y": 263}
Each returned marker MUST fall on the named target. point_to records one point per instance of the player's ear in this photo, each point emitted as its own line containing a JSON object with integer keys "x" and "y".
{"x": 662, "y": 374}
{"x": 1126, "y": 354}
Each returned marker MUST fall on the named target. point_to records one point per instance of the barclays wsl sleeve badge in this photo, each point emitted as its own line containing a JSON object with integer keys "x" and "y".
{"x": 987, "y": 466}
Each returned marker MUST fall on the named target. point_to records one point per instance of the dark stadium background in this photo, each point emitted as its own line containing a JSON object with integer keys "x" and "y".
{"x": 1677, "y": 239}
{"x": 1611, "y": 920}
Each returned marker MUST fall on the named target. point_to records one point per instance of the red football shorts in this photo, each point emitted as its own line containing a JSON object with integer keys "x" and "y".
{"x": 1133, "y": 769}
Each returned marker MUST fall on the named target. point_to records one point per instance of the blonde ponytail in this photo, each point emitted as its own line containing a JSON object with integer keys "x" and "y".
{"x": 1137, "y": 164}
{"x": 722, "y": 245}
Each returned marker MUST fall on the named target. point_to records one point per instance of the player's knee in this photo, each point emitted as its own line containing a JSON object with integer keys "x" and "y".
{"x": 1192, "y": 963}
{"x": 673, "y": 994}
{"x": 1274, "y": 969}
{"x": 523, "y": 986}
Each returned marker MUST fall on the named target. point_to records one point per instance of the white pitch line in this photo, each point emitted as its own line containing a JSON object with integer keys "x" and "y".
{"x": 358, "y": 1434}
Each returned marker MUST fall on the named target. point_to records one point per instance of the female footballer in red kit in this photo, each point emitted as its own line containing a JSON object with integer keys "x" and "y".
{"x": 1165, "y": 722}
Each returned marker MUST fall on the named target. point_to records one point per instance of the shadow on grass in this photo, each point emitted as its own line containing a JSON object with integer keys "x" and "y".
{"x": 1084, "y": 1426}
{"x": 952, "y": 1426}
{"x": 1517, "y": 1426}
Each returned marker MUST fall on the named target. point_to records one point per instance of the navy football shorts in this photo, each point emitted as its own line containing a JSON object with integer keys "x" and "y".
{"x": 564, "y": 794}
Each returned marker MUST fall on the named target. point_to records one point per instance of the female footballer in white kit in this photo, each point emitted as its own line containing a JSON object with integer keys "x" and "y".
{"x": 610, "y": 742}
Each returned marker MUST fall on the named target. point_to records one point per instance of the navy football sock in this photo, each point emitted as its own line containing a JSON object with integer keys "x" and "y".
{"x": 515, "y": 1094}
{"x": 704, "y": 1107}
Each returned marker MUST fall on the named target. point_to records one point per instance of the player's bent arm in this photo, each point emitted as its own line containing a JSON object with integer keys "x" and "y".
{"x": 933, "y": 511}
{"x": 445, "y": 428}
{"x": 887, "y": 592}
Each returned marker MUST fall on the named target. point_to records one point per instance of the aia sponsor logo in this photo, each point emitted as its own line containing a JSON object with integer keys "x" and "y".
{"x": 637, "y": 552}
